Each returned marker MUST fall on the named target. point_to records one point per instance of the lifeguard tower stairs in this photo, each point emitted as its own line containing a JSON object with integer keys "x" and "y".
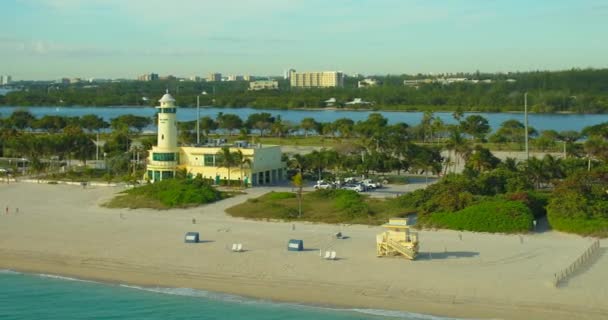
{"x": 398, "y": 240}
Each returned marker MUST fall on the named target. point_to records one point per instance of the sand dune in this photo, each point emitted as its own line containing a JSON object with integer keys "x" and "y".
{"x": 62, "y": 230}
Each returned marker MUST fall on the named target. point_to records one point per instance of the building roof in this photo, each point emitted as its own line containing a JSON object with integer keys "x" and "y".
{"x": 166, "y": 98}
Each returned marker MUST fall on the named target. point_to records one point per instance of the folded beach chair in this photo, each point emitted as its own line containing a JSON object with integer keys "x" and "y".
{"x": 333, "y": 255}
{"x": 239, "y": 247}
{"x": 327, "y": 255}
{"x": 234, "y": 246}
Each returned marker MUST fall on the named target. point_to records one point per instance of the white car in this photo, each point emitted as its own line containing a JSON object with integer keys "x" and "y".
{"x": 371, "y": 184}
{"x": 354, "y": 187}
{"x": 323, "y": 185}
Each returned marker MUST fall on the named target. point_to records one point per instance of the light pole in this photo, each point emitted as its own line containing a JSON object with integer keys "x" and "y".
{"x": 198, "y": 117}
{"x": 198, "y": 120}
{"x": 526, "y": 124}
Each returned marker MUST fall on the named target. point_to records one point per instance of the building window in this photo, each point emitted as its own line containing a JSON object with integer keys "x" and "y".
{"x": 167, "y": 110}
{"x": 166, "y": 175}
{"x": 162, "y": 137}
{"x": 163, "y": 156}
{"x": 209, "y": 160}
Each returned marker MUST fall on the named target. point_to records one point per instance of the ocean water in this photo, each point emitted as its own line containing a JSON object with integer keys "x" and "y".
{"x": 32, "y": 296}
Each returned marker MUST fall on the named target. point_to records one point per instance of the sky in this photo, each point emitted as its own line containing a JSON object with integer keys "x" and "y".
{"x": 51, "y": 39}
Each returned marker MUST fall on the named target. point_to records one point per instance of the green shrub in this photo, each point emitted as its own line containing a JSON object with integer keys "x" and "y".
{"x": 350, "y": 203}
{"x": 579, "y": 204}
{"x": 170, "y": 193}
{"x": 536, "y": 201}
{"x": 280, "y": 195}
{"x": 494, "y": 215}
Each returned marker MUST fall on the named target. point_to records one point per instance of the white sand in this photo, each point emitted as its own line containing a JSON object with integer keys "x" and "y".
{"x": 62, "y": 230}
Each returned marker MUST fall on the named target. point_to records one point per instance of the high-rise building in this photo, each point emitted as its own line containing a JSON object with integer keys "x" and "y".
{"x": 148, "y": 77}
{"x": 287, "y": 73}
{"x": 5, "y": 80}
{"x": 325, "y": 79}
{"x": 214, "y": 77}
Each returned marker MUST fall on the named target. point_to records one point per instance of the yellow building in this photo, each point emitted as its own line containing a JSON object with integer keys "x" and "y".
{"x": 324, "y": 79}
{"x": 258, "y": 165}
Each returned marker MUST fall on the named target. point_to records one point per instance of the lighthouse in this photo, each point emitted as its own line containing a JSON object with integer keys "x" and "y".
{"x": 164, "y": 157}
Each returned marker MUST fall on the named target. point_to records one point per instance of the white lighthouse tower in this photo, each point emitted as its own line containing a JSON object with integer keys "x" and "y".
{"x": 164, "y": 157}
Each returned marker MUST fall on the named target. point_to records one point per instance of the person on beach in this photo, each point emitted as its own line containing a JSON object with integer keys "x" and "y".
{"x": 6, "y": 209}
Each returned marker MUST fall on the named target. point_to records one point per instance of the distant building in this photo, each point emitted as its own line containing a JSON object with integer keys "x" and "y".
{"x": 5, "y": 80}
{"x": 148, "y": 77}
{"x": 264, "y": 85}
{"x": 233, "y": 77}
{"x": 168, "y": 78}
{"x": 75, "y": 80}
{"x": 366, "y": 83}
{"x": 264, "y": 166}
{"x": 287, "y": 73}
{"x": 325, "y": 79}
{"x": 195, "y": 78}
{"x": 214, "y": 77}
{"x": 417, "y": 82}
{"x": 64, "y": 81}
{"x": 248, "y": 78}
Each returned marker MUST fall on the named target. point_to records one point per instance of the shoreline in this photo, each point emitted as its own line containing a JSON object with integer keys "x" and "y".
{"x": 416, "y": 109}
{"x": 63, "y": 231}
{"x": 426, "y": 307}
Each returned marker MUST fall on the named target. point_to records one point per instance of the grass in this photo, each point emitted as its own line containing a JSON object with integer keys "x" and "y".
{"x": 327, "y": 206}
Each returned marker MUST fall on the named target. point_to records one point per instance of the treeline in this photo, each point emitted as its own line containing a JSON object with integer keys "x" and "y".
{"x": 581, "y": 91}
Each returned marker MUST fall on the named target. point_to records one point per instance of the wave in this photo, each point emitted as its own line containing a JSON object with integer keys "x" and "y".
{"x": 243, "y": 300}
{"x": 54, "y": 276}
{"x": 230, "y": 298}
{"x": 189, "y": 292}
{"x": 401, "y": 314}
{"x": 8, "y": 271}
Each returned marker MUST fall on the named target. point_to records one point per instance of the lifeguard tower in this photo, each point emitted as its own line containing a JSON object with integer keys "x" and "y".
{"x": 398, "y": 240}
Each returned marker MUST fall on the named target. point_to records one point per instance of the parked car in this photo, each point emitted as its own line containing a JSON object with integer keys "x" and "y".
{"x": 323, "y": 185}
{"x": 354, "y": 187}
{"x": 370, "y": 184}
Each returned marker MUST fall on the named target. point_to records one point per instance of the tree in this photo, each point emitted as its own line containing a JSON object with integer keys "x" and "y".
{"x": 93, "y": 122}
{"x": 308, "y": 124}
{"x": 261, "y": 121}
{"x": 129, "y": 121}
{"x": 475, "y": 126}
{"x": 242, "y": 161}
{"x": 229, "y": 122}
{"x": 207, "y": 125}
{"x": 227, "y": 160}
{"x": 298, "y": 182}
{"x": 21, "y": 119}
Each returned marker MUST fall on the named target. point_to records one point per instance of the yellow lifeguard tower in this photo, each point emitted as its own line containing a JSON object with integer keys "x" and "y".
{"x": 398, "y": 240}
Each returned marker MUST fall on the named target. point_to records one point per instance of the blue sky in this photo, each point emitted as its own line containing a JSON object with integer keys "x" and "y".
{"x": 50, "y": 39}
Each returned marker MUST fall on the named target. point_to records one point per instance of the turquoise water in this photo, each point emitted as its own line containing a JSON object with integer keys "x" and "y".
{"x": 29, "y": 296}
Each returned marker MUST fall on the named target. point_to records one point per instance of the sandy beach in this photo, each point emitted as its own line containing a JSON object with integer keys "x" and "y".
{"x": 62, "y": 230}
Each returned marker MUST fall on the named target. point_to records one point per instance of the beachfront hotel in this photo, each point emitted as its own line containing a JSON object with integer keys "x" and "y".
{"x": 325, "y": 79}
{"x": 260, "y": 165}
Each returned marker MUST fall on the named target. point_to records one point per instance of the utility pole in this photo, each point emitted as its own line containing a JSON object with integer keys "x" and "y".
{"x": 526, "y": 124}
{"x": 198, "y": 120}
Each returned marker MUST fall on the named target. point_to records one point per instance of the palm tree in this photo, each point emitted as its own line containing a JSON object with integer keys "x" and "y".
{"x": 226, "y": 160}
{"x": 242, "y": 161}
